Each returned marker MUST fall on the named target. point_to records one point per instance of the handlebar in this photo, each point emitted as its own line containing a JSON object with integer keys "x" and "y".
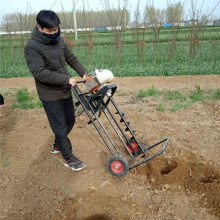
{"x": 80, "y": 81}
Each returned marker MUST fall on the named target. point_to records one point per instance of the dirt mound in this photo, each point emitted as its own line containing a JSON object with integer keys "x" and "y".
{"x": 184, "y": 183}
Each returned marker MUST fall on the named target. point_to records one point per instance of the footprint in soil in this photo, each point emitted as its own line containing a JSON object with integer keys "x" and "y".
{"x": 208, "y": 179}
{"x": 98, "y": 217}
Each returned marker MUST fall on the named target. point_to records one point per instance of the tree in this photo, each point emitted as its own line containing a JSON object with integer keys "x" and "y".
{"x": 152, "y": 16}
{"x": 174, "y": 13}
{"x": 85, "y": 19}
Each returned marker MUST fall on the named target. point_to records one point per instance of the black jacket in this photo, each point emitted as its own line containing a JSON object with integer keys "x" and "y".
{"x": 47, "y": 62}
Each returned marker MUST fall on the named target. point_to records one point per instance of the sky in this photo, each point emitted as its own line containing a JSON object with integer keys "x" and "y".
{"x": 10, "y": 6}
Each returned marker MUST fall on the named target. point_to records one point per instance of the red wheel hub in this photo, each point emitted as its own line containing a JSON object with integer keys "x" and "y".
{"x": 135, "y": 147}
{"x": 117, "y": 166}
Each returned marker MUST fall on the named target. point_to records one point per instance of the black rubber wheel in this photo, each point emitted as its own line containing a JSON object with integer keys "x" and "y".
{"x": 118, "y": 166}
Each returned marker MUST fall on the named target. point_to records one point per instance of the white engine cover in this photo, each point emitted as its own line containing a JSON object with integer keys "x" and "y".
{"x": 104, "y": 76}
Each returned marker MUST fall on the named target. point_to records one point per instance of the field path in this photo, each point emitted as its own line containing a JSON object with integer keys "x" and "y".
{"x": 134, "y": 83}
{"x": 182, "y": 184}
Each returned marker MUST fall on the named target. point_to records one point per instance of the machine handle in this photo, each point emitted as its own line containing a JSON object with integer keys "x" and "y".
{"x": 80, "y": 81}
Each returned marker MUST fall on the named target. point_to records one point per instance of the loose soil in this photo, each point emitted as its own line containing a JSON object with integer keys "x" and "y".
{"x": 183, "y": 183}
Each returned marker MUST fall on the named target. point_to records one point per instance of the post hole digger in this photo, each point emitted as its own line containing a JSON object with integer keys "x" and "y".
{"x": 112, "y": 125}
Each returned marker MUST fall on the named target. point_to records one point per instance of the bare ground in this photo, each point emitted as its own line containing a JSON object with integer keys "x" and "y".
{"x": 182, "y": 184}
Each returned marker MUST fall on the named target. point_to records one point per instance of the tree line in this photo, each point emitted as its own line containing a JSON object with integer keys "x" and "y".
{"x": 109, "y": 17}
{"x": 172, "y": 14}
{"x": 84, "y": 19}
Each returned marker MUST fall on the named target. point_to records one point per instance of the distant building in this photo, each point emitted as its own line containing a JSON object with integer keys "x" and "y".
{"x": 216, "y": 22}
{"x": 191, "y": 22}
{"x": 101, "y": 29}
{"x": 167, "y": 25}
{"x": 14, "y": 32}
{"x": 209, "y": 23}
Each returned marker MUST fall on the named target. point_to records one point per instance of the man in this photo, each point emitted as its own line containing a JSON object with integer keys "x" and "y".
{"x": 46, "y": 55}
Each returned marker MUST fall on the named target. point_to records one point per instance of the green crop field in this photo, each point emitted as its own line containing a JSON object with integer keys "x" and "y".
{"x": 138, "y": 52}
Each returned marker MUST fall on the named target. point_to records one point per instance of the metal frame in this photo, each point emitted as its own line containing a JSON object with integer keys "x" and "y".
{"x": 95, "y": 103}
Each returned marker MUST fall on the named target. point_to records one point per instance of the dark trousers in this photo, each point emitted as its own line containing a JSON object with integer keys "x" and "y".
{"x": 1, "y": 100}
{"x": 61, "y": 116}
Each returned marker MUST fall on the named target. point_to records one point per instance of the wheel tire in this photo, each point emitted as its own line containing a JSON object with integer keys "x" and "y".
{"x": 118, "y": 166}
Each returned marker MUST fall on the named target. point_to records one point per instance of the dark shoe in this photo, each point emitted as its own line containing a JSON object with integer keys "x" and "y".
{"x": 55, "y": 149}
{"x": 74, "y": 164}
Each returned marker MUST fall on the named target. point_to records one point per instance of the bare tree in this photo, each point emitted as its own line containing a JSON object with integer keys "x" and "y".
{"x": 195, "y": 29}
{"x": 174, "y": 12}
{"x": 152, "y": 16}
{"x": 118, "y": 19}
{"x": 74, "y": 18}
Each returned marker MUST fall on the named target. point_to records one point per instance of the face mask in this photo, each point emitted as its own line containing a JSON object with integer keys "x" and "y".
{"x": 55, "y": 36}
